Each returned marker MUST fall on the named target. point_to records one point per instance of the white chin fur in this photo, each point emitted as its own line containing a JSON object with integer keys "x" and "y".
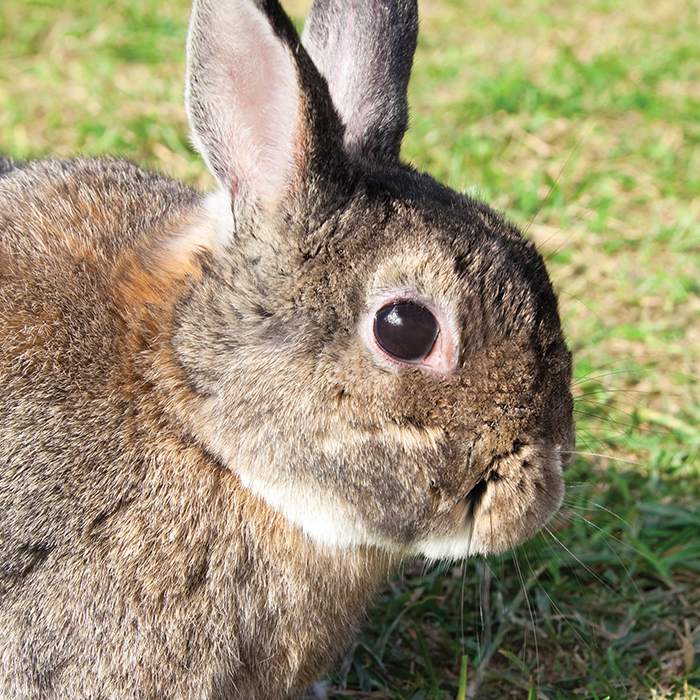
{"x": 459, "y": 545}
{"x": 327, "y": 522}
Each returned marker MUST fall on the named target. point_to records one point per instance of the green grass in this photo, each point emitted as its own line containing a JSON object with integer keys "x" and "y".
{"x": 582, "y": 121}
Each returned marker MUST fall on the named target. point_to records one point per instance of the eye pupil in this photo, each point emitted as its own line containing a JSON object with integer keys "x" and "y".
{"x": 405, "y": 331}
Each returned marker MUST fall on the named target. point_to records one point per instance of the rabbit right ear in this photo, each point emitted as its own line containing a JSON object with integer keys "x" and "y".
{"x": 243, "y": 97}
{"x": 364, "y": 49}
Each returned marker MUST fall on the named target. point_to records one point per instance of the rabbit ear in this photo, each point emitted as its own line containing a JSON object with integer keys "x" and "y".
{"x": 364, "y": 49}
{"x": 243, "y": 96}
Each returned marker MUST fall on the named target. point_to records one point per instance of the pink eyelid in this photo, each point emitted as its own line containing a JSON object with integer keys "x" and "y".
{"x": 442, "y": 358}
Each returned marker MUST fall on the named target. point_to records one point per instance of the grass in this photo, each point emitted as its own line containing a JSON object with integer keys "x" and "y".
{"x": 582, "y": 121}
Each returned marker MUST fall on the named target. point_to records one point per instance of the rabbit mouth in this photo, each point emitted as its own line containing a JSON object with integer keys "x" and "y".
{"x": 474, "y": 498}
{"x": 515, "y": 497}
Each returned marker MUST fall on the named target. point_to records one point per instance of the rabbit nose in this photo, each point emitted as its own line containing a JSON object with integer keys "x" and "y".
{"x": 567, "y": 449}
{"x": 499, "y": 441}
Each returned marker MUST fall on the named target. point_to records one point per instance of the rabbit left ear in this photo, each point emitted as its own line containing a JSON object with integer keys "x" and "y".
{"x": 364, "y": 49}
{"x": 243, "y": 97}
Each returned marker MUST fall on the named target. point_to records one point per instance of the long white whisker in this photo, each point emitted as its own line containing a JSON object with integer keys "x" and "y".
{"x": 602, "y": 456}
{"x": 530, "y": 611}
{"x": 579, "y": 561}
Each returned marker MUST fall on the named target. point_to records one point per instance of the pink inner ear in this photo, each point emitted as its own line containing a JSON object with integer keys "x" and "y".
{"x": 336, "y": 61}
{"x": 243, "y": 100}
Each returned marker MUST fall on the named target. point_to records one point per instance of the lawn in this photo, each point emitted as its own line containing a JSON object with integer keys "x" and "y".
{"x": 581, "y": 120}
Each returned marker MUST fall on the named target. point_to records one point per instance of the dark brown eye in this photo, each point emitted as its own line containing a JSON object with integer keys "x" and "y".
{"x": 405, "y": 331}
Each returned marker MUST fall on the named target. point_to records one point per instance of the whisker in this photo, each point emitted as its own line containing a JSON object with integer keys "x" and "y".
{"x": 559, "y": 611}
{"x": 621, "y": 542}
{"x": 592, "y": 374}
{"x": 558, "y": 177}
{"x": 586, "y": 437}
{"x": 604, "y": 456}
{"x": 530, "y": 610}
{"x": 579, "y": 561}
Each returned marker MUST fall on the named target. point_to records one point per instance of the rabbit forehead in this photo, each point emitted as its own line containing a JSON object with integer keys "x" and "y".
{"x": 452, "y": 256}
{"x": 426, "y": 269}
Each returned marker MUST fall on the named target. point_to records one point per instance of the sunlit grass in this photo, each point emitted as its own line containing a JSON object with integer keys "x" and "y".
{"x": 582, "y": 121}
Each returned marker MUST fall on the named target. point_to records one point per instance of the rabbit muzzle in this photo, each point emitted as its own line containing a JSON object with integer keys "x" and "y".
{"x": 512, "y": 497}
{"x": 505, "y": 481}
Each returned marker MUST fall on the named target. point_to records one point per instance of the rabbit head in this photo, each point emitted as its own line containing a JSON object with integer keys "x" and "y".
{"x": 376, "y": 356}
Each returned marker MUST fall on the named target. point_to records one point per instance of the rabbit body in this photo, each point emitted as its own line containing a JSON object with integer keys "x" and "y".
{"x": 208, "y": 459}
{"x": 134, "y": 567}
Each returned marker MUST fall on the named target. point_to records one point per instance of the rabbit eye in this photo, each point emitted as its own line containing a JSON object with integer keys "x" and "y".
{"x": 405, "y": 331}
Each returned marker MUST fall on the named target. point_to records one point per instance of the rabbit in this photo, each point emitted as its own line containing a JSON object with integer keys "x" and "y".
{"x": 226, "y": 418}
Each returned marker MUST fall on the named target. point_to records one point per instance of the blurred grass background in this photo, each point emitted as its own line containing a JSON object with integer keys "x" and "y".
{"x": 582, "y": 121}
